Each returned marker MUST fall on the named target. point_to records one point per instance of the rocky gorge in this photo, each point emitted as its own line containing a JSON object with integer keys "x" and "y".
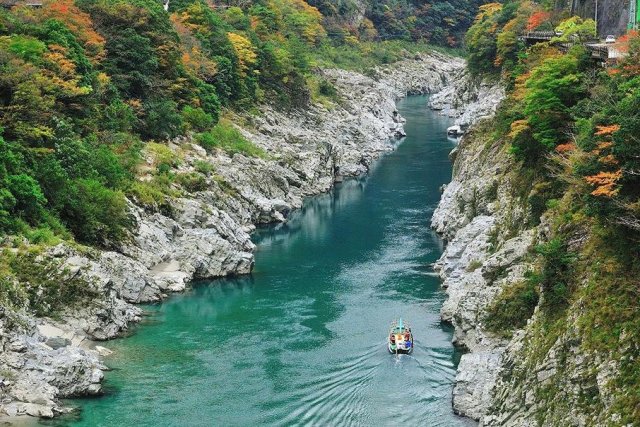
{"x": 486, "y": 216}
{"x": 203, "y": 232}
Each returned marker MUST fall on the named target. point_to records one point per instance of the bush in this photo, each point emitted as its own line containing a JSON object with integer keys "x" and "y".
{"x": 94, "y": 213}
{"x": 162, "y": 120}
{"x": 45, "y": 288}
{"x": 197, "y": 119}
{"x": 556, "y": 272}
{"x": 27, "y": 195}
{"x": 203, "y": 167}
{"x": 192, "y": 181}
{"x": 42, "y": 235}
{"x": 513, "y": 306}
{"x": 226, "y": 137}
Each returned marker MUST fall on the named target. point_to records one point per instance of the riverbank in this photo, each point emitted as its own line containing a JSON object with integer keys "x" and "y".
{"x": 301, "y": 340}
{"x": 475, "y": 261}
{"x": 204, "y": 233}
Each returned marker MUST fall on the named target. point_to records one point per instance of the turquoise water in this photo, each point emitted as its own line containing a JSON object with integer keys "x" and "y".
{"x": 302, "y": 340}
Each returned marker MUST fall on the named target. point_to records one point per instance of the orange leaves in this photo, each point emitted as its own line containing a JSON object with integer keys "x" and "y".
{"x": 609, "y": 160}
{"x": 622, "y": 43}
{"x": 605, "y": 183}
{"x": 606, "y": 130}
{"x": 78, "y": 22}
{"x": 629, "y": 46}
{"x": 193, "y": 56}
{"x": 604, "y": 145}
{"x": 566, "y": 148}
{"x": 537, "y": 19}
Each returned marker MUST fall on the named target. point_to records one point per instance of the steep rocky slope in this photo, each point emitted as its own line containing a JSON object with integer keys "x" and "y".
{"x": 203, "y": 233}
{"x": 479, "y": 216}
{"x": 552, "y": 369}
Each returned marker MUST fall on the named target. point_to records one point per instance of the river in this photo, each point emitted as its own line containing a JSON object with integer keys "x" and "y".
{"x": 302, "y": 340}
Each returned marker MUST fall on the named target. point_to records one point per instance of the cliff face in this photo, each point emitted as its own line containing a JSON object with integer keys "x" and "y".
{"x": 613, "y": 15}
{"x": 547, "y": 369}
{"x": 204, "y": 233}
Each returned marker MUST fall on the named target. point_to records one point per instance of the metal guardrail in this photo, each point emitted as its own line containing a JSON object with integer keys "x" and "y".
{"x": 600, "y": 51}
{"x": 539, "y": 35}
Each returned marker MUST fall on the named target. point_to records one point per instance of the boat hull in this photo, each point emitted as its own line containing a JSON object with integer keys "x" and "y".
{"x": 400, "y": 350}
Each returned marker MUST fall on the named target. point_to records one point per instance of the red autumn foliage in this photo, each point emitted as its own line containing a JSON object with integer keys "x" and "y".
{"x": 537, "y": 19}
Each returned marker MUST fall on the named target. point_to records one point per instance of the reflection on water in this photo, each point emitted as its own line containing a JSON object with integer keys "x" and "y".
{"x": 314, "y": 217}
{"x": 302, "y": 341}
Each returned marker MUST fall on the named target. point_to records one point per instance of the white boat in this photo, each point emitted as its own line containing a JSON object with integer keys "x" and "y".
{"x": 400, "y": 339}
{"x": 454, "y": 130}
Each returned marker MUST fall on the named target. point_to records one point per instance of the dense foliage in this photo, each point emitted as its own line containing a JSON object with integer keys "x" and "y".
{"x": 85, "y": 85}
{"x": 563, "y": 110}
{"x": 439, "y": 22}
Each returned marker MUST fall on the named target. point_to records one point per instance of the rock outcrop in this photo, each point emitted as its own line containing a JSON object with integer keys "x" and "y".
{"x": 204, "y": 232}
{"x": 468, "y": 99}
{"x": 480, "y": 256}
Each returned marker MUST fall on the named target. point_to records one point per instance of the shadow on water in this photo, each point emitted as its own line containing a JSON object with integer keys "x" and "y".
{"x": 302, "y": 340}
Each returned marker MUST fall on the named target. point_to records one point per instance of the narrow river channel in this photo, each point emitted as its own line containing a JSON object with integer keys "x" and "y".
{"x": 302, "y": 340}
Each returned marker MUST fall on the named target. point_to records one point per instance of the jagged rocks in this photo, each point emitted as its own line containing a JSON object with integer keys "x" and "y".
{"x": 467, "y": 217}
{"x": 468, "y": 99}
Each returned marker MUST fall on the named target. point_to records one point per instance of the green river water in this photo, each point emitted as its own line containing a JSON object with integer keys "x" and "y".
{"x": 302, "y": 340}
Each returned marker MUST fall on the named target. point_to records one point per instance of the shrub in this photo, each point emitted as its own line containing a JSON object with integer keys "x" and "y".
{"x": 556, "y": 272}
{"x": 94, "y": 213}
{"x": 197, "y": 119}
{"x": 29, "y": 200}
{"x": 203, "y": 167}
{"x": 192, "y": 181}
{"x": 513, "y": 306}
{"x": 162, "y": 120}
{"x": 44, "y": 287}
{"x": 42, "y": 235}
{"x": 226, "y": 137}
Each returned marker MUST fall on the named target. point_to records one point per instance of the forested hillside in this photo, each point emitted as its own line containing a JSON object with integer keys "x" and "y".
{"x": 86, "y": 85}
{"x": 439, "y": 22}
{"x": 570, "y": 127}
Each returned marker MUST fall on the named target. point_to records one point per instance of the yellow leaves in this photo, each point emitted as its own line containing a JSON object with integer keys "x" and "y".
{"x": 605, "y": 183}
{"x": 244, "y": 49}
{"x": 192, "y": 20}
{"x": 136, "y": 105}
{"x": 300, "y": 17}
{"x": 368, "y": 31}
{"x": 517, "y": 127}
{"x": 488, "y": 10}
{"x": 351, "y": 40}
{"x": 103, "y": 79}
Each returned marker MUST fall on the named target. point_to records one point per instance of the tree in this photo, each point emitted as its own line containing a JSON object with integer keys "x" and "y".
{"x": 551, "y": 88}
{"x": 576, "y": 30}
